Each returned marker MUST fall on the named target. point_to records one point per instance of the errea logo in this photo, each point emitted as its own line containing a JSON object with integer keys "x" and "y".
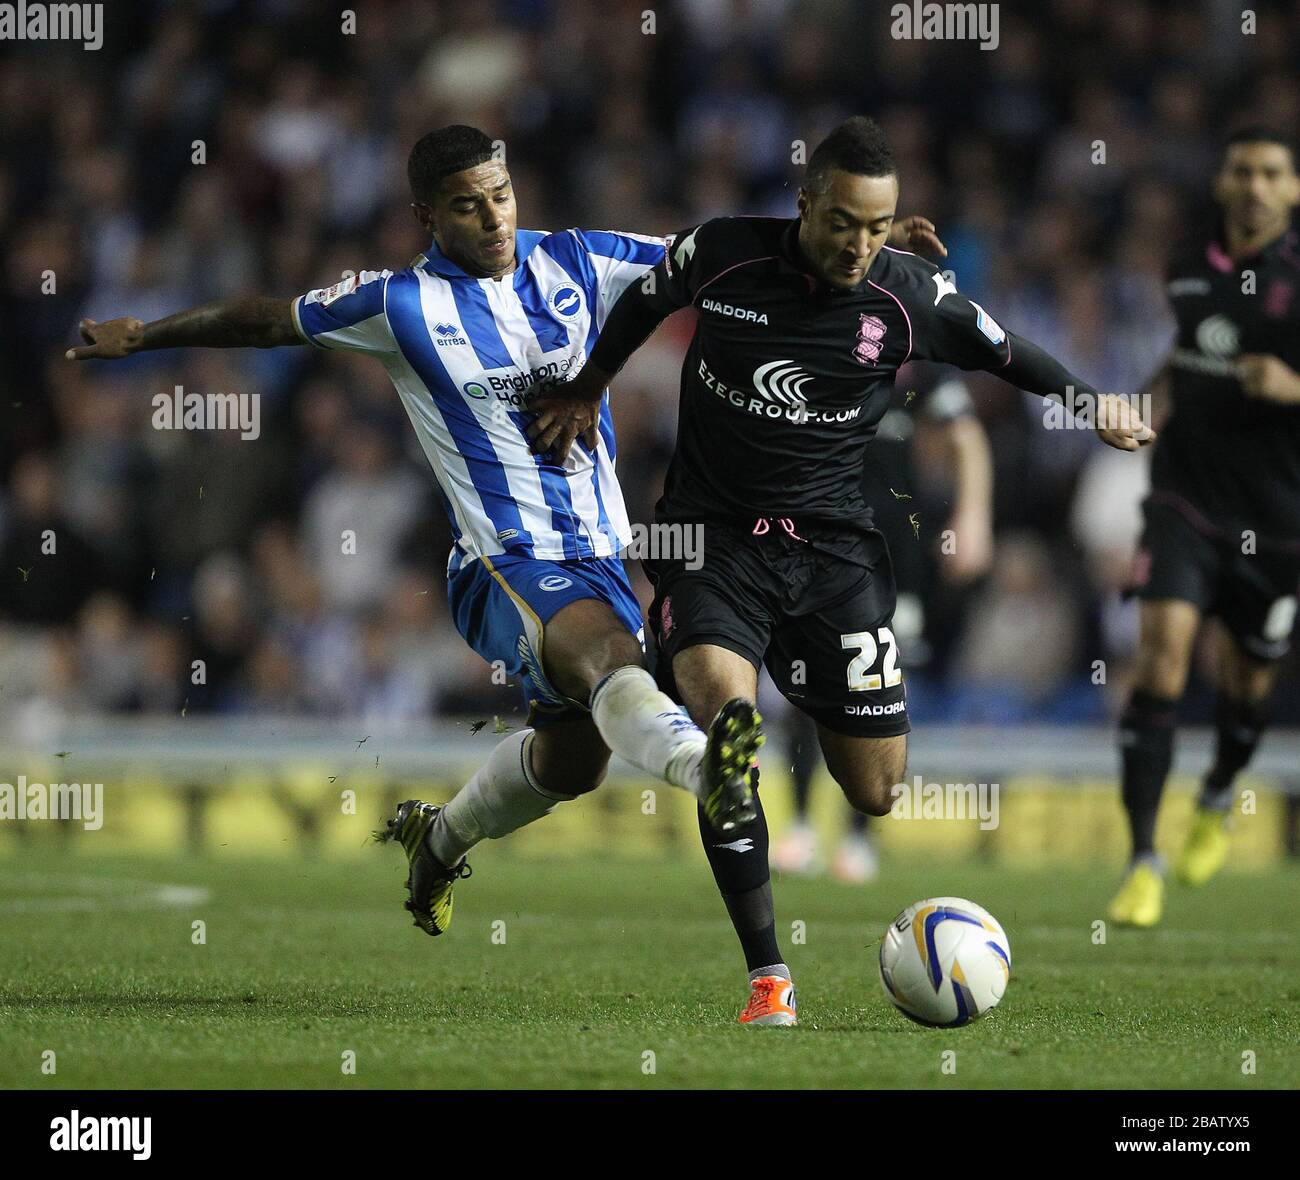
{"x": 447, "y": 334}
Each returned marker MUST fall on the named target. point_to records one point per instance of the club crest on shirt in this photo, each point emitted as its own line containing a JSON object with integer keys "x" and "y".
{"x": 1278, "y": 300}
{"x": 565, "y": 301}
{"x": 871, "y": 339}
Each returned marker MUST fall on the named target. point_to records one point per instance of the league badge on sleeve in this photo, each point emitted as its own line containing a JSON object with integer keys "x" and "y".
{"x": 344, "y": 287}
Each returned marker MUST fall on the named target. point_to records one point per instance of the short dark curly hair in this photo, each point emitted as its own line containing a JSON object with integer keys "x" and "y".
{"x": 857, "y": 145}
{"x": 443, "y": 152}
{"x": 1258, "y": 133}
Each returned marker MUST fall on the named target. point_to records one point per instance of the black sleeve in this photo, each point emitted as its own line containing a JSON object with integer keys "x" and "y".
{"x": 1036, "y": 371}
{"x": 955, "y": 330}
{"x": 646, "y": 303}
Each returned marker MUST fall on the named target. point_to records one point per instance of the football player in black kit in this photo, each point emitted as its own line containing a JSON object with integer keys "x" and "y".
{"x": 923, "y": 580}
{"x": 1222, "y": 532}
{"x": 802, "y": 325}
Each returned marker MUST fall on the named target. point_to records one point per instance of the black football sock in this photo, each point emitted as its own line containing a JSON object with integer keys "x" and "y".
{"x": 739, "y": 863}
{"x": 1146, "y": 738}
{"x": 859, "y": 821}
{"x": 803, "y": 765}
{"x": 1240, "y": 724}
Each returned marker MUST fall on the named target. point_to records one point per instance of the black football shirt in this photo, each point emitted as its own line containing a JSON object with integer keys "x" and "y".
{"x": 787, "y": 379}
{"x": 1234, "y": 459}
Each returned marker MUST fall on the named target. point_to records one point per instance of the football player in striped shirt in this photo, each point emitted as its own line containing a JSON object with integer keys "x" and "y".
{"x": 487, "y": 318}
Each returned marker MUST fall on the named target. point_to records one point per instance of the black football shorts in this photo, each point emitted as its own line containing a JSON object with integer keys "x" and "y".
{"x": 1254, "y": 594}
{"x": 813, "y": 604}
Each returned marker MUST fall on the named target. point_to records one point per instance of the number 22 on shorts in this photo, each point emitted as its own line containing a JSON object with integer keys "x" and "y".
{"x": 860, "y": 678}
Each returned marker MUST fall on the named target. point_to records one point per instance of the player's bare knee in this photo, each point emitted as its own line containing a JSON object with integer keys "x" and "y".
{"x": 708, "y": 677}
{"x": 1162, "y": 665}
{"x": 571, "y": 777}
{"x": 870, "y": 788}
{"x": 611, "y": 649}
{"x": 569, "y": 759}
{"x": 1165, "y": 649}
{"x": 872, "y": 796}
{"x": 583, "y": 647}
{"x": 1242, "y": 676}
{"x": 867, "y": 770}
{"x": 1163, "y": 673}
{"x": 583, "y": 786}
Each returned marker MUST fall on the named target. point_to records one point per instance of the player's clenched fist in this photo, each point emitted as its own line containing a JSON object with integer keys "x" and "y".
{"x": 109, "y": 340}
{"x": 1120, "y": 425}
{"x": 559, "y": 421}
{"x": 567, "y": 412}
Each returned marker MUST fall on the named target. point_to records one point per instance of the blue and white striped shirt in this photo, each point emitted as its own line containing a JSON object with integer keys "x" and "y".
{"x": 466, "y": 354}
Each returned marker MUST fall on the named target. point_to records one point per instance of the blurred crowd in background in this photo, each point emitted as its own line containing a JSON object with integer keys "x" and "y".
{"x": 179, "y": 546}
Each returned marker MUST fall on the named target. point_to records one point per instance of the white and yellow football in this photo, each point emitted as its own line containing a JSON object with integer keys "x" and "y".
{"x": 945, "y": 961}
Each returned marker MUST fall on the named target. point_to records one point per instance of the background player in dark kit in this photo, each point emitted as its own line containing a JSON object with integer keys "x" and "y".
{"x": 1222, "y": 532}
{"x": 803, "y": 324}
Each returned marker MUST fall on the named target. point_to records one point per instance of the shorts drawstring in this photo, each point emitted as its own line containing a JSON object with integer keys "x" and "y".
{"x": 763, "y": 525}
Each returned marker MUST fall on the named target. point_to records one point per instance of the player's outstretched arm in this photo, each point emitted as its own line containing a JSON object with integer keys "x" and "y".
{"x": 954, "y": 330}
{"x": 569, "y": 412}
{"x": 1269, "y": 378}
{"x": 248, "y": 321}
{"x": 572, "y": 410}
{"x": 971, "y": 459}
{"x": 1116, "y": 419}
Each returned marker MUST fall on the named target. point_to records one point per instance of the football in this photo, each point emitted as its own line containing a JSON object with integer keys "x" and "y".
{"x": 945, "y": 961}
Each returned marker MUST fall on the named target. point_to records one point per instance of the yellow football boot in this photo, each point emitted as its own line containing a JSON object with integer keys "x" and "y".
{"x": 1206, "y": 848}
{"x": 735, "y": 738}
{"x": 429, "y": 883}
{"x": 1140, "y": 900}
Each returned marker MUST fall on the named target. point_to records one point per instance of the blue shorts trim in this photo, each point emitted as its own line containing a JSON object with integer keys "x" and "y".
{"x": 501, "y": 606}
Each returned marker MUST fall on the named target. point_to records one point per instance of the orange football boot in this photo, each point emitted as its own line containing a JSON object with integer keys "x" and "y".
{"x": 771, "y": 1001}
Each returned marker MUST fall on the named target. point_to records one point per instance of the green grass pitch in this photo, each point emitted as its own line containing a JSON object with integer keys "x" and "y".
{"x": 603, "y": 962}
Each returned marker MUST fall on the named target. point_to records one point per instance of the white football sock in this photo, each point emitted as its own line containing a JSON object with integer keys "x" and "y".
{"x": 644, "y": 726}
{"x": 502, "y": 797}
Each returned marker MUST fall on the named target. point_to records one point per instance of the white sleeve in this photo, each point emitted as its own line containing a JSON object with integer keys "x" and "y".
{"x": 619, "y": 259}
{"x": 350, "y": 314}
